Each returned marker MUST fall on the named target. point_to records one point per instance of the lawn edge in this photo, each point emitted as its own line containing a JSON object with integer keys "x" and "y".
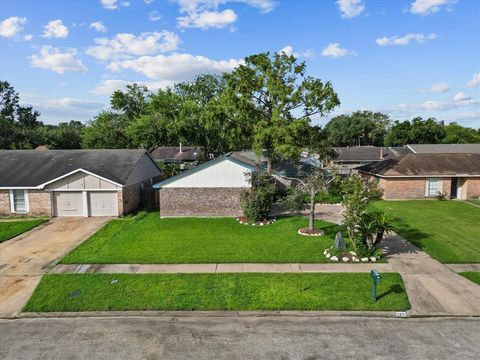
{"x": 39, "y": 226}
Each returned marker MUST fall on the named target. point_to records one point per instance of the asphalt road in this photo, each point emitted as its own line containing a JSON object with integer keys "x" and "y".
{"x": 240, "y": 338}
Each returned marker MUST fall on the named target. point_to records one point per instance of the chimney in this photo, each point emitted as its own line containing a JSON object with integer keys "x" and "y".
{"x": 381, "y": 153}
{"x": 180, "y": 147}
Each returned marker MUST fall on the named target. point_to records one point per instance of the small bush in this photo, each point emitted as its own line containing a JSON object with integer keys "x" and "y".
{"x": 257, "y": 201}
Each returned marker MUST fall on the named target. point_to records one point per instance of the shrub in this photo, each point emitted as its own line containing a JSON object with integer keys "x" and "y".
{"x": 257, "y": 201}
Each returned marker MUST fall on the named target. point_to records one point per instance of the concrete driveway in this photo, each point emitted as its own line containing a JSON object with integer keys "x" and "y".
{"x": 25, "y": 258}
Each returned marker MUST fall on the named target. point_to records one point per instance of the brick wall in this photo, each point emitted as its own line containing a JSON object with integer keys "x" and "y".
{"x": 200, "y": 201}
{"x": 4, "y": 203}
{"x": 131, "y": 198}
{"x": 38, "y": 200}
{"x": 409, "y": 188}
{"x": 473, "y": 188}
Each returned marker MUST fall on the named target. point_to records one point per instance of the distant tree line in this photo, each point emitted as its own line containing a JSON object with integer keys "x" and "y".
{"x": 265, "y": 104}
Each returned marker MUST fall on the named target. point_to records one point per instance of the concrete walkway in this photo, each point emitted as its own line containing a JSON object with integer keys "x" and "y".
{"x": 218, "y": 268}
{"x": 463, "y": 267}
{"x": 25, "y": 258}
{"x": 433, "y": 288}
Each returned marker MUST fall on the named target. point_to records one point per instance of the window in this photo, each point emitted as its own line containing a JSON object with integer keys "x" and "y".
{"x": 433, "y": 186}
{"x": 19, "y": 201}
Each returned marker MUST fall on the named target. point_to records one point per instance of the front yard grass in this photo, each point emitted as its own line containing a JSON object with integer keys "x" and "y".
{"x": 10, "y": 229}
{"x": 447, "y": 230}
{"x": 234, "y": 291}
{"x": 151, "y": 240}
{"x": 472, "y": 276}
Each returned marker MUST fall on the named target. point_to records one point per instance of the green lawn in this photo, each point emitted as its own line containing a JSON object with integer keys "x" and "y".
{"x": 236, "y": 291}
{"x": 447, "y": 230}
{"x": 10, "y": 229}
{"x": 472, "y": 275}
{"x": 149, "y": 239}
{"x": 474, "y": 201}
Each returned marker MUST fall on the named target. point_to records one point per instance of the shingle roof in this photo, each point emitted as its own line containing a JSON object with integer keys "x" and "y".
{"x": 445, "y": 148}
{"x": 173, "y": 154}
{"x": 31, "y": 168}
{"x": 368, "y": 153}
{"x": 427, "y": 165}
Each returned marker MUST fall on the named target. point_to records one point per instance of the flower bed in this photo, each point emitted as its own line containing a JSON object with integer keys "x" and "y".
{"x": 244, "y": 221}
{"x": 308, "y": 232}
{"x": 347, "y": 256}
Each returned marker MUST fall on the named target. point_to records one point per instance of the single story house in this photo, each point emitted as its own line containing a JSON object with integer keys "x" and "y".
{"x": 444, "y": 148}
{"x": 349, "y": 158}
{"x": 177, "y": 154}
{"x": 210, "y": 189}
{"x": 75, "y": 182}
{"x": 425, "y": 175}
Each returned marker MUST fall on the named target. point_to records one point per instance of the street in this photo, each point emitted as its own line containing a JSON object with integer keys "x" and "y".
{"x": 240, "y": 337}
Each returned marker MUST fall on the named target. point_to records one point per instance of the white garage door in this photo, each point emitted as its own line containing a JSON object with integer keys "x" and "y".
{"x": 103, "y": 203}
{"x": 68, "y": 203}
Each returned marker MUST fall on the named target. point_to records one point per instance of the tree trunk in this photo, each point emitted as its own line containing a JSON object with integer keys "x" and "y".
{"x": 269, "y": 166}
{"x": 379, "y": 238}
{"x": 311, "y": 220}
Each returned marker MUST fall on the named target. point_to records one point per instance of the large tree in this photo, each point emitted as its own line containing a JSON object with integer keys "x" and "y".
{"x": 358, "y": 128}
{"x": 457, "y": 134}
{"x": 417, "y": 131}
{"x": 107, "y": 131}
{"x": 274, "y": 99}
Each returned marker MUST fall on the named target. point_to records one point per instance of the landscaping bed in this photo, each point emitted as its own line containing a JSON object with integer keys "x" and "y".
{"x": 237, "y": 291}
{"x": 10, "y": 229}
{"x": 150, "y": 240}
{"x": 447, "y": 230}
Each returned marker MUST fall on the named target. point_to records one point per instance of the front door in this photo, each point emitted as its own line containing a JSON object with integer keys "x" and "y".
{"x": 453, "y": 188}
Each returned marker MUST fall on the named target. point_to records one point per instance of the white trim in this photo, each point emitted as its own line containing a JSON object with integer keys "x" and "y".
{"x": 77, "y": 190}
{"x": 18, "y": 187}
{"x": 41, "y": 186}
{"x": 27, "y": 203}
{"x": 85, "y": 203}
{"x": 411, "y": 149}
{"x": 12, "y": 205}
{"x": 420, "y": 176}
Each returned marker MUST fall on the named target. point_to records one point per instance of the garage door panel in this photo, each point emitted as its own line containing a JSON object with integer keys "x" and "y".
{"x": 103, "y": 203}
{"x": 68, "y": 204}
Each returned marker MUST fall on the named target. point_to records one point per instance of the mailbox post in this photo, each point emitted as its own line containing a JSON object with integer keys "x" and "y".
{"x": 376, "y": 278}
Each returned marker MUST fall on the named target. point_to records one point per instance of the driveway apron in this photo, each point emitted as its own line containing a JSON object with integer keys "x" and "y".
{"x": 25, "y": 258}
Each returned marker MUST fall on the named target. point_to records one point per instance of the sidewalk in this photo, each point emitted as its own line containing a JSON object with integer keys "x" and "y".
{"x": 218, "y": 268}
{"x": 433, "y": 288}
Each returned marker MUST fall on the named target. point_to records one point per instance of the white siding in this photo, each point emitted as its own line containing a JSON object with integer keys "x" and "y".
{"x": 225, "y": 174}
{"x": 80, "y": 181}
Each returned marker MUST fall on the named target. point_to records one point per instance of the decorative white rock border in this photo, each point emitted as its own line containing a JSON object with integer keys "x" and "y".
{"x": 319, "y": 234}
{"x": 354, "y": 257}
{"x": 262, "y": 223}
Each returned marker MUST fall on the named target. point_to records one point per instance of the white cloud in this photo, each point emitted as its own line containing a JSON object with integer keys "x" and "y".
{"x": 427, "y": 7}
{"x": 98, "y": 26}
{"x": 148, "y": 2}
{"x": 205, "y": 14}
{"x": 28, "y": 37}
{"x": 55, "y": 29}
{"x": 174, "y": 67}
{"x": 288, "y": 50}
{"x": 154, "y": 15}
{"x": 406, "y": 39}
{"x": 55, "y": 110}
{"x": 208, "y": 19}
{"x": 113, "y": 4}
{"x": 107, "y": 87}
{"x": 461, "y": 96}
{"x": 405, "y": 109}
{"x": 440, "y": 87}
{"x": 334, "y": 50}
{"x": 350, "y": 8}
{"x": 474, "y": 82}
{"x": 54, "y": 59}
{"x": 12, "y": 26}
{"x": 127, "y": 45}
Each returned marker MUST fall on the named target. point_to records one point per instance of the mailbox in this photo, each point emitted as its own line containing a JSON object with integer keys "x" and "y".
{"x": 376, "y": 278}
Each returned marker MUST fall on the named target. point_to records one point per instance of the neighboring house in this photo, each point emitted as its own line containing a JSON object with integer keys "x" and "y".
{"x": 348, "y": 159}
{"x": 210, "y": 189}
{"x": 177, "y": 154}
{"x": 74, "y": 182}
{"x": 444, "y": 148}
{"x": 425, "y": 175}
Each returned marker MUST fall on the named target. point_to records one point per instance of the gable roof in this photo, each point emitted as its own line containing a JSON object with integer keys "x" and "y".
{"x": 445, "y": 148}
{"x": 368, "y": 153}
{"x": 413, "y": 165}
{"x": 173, "y": 154}
{"x": 30, "y": 168}
{"x": 232, "y": 156}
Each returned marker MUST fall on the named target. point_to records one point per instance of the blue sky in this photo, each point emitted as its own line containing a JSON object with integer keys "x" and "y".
{"x": 406, "y": 58}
